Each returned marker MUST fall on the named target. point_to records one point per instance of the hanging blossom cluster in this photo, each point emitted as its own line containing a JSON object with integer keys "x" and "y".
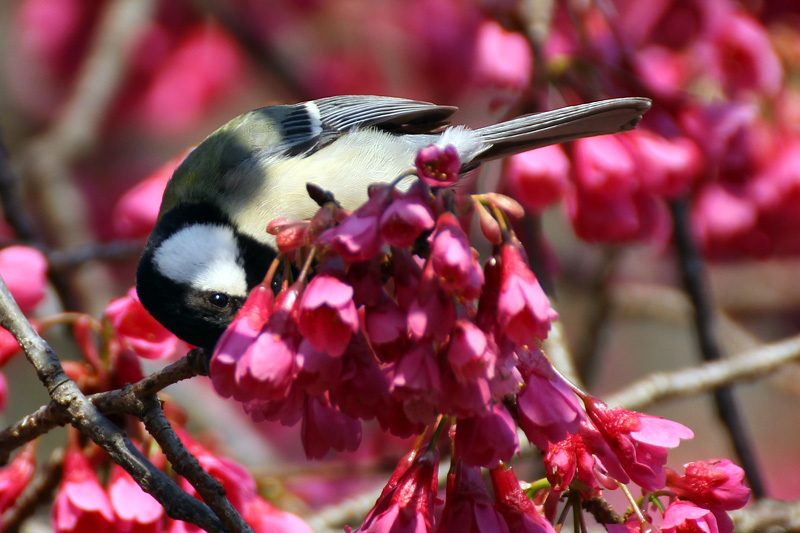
{"x": 402, "y": 322}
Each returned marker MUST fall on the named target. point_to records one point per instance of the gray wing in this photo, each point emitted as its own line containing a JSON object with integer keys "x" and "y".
{"x": 309, "y": 126}
{"x": 345, "y": 112}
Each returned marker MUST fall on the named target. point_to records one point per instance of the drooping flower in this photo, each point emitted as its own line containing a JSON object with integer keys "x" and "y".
{"x": 325, "y": 427}
{"x": 239, "y": 484}
{"x": 264, "y": 517}
{"x": 640, "y": 441}
{"x": 523, "y": 310}
{"x": 503, "y": 59}
{"x": 686, "y": 517}
{"x": 136, "y": 212}
{"x": 486, "y": 439}
{"x": 452, "y": 259}
{"x": 81, "y": 503}
{"x": 327, "y": 314}
{"x": 511, "y": 501}
{"x": 586, "y": 455}
{"x": 417, "y": 383}
{"x": 137, "y": 330}
{"x": 437, "y": 166}
{"x": 237, "y": 338}
{"x": 266, "y": 368}
{"x": 136, "y": 510}
{"x": 469, "y": 353}
{"x": 406, "y": 503}
{"x": 548, "y": 409}
{"x": 357, "y": 238}
{"x": 24, "y": 271}
{"x": 16, "y": 475}
{"x": 537, "y": 178}
{"x": 406, "y": 218}
{"x": 716, "y": 484}
{"x": 468, "y": 507}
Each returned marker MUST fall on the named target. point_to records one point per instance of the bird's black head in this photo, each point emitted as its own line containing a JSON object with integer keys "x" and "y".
{"x": 196, "y": 271}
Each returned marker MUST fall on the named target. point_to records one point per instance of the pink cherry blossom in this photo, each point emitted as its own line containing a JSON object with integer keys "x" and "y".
{"x": 264, "y": 517}
{"x": 136, "y": 510}
{"x": 486, "y": 439}
{"x": 717, "y": 484}
{"x": 523, "y": 310}
{"x": 640, "y": 441}
{"x": 239, "y": 484}
{"x": 327, "y": 314}
{"x": 238, "y": 336}
{"x": 325, "y": 427}
{"x": 357, "y": 238}
{"x": 8, "y": 346}
{"x": 503, "y": 58}
{"x": 741, "y": 57}
{"x": 417, "y": 383}
{"x": 81, "y": 503}
{"x": 136, "y": 212}
{"x": 469, "y": 353}
{"x": 3, "y": 392}
{"x": 548, "y": 408}
{"x": 385, "y": 322}
{"x": 686, "y": 517}
{"x": 465, "y": 398}
{"x": 431, "y": 314}
{"x": 438, "y": 166}
{"x": 317, "y": 371}
{"x": 137, "y": 330}
{"x": 24, "y": 271}
{"x": 537, "y": 178}
{"x": 468, "y": 507}
{"x": 406, "y": 218}
{"x": 586, "y": 455}
{"x": 15, "y": 476}
{"x": 453, "y": 262}
{"x": 206, "y": 64}
{"x": 406, "y": 503}
{"x": 514, "y": 505}
{"x": 266, "y": 368}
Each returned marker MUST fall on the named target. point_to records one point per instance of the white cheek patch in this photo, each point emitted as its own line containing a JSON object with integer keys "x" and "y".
{"x": 204, "y": 256}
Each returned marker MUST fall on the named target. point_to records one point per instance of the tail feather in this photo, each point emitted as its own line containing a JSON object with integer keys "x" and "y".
{"x": 561, "y": 125}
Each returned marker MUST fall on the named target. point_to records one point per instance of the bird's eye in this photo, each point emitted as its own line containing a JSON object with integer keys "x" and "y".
{"x": 219, "y": 300}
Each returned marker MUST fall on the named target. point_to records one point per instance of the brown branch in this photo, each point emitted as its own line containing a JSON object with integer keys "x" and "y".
{"x": 85, "y": 417}
{"x": 185, "y": 464}
{"x": 768, "y": 515}
{"x": 127, "y": 400}
{"x": 692, "y": 381}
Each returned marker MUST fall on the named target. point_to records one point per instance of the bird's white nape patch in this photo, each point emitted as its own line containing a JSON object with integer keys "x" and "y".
{"x": 316, "y": 118}
{"x": 204, "y": 256}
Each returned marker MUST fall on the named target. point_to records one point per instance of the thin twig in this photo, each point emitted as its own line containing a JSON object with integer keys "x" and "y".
{"x": 768, "y": 515}
{"x": 688, "y": 382}
{"x": 126, "y": 400}
{"x": 86, "y": 418}
{"x": 185, "y": 464}
{"x": 693, "y": 272}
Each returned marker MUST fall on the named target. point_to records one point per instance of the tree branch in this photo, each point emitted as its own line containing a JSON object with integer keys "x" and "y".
{"x": 84, "y": 416}
{"x": 185, "y": 464}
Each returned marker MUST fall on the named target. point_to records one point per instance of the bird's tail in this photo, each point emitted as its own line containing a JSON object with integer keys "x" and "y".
{"x": 561, "y": 125}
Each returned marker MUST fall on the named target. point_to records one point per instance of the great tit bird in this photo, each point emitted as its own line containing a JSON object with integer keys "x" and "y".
{"x": 210, "y": 247}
